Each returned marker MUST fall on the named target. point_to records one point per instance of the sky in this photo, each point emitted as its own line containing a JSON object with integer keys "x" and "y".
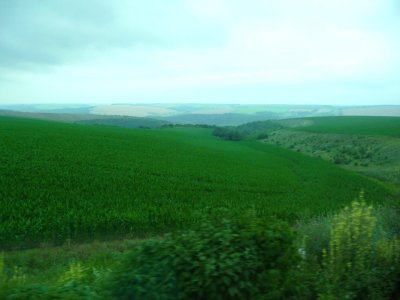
{"x": 340, "y": 52}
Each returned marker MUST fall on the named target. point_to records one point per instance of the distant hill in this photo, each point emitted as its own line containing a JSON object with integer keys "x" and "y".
{"x": 380, "y": 110}
{"x": 128, "y": 122}
{"x": 89, "y": 119}
{"x": 226, "y": 119}
{"x": 61, "y": 117}
{"x": 49, "y": 108}
{"x": 207, "y": 114}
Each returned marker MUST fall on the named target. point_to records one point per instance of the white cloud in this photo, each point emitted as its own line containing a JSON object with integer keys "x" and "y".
{"x": 230, "y": 49}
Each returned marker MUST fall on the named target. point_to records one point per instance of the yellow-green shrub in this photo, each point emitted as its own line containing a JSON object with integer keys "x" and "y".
{"x": 358, "y": 264}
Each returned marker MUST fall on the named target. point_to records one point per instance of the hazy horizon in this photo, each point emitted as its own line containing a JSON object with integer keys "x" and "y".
{"x": 80, "y": 104}
{"x": 308, "y": 52}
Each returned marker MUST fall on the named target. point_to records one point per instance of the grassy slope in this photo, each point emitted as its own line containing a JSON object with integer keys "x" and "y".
{"x": 60, "y": 181}
{"x": 369, "y": 145}
{"x": 386, "y": 126}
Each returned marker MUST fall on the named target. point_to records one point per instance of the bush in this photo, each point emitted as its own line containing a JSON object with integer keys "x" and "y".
{"x": 228, "y": 133}
{"x": 262, "y": 136}
{"x": 358, "y": 264}
{"x": 228, "y": 260}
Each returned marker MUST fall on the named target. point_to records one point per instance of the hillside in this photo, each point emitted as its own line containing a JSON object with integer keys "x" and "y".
{"x": 60, "y": 181}
{"x": 368, "y": 145}
{"x": 89, "y": 119}
{"x": 382, "y": 126}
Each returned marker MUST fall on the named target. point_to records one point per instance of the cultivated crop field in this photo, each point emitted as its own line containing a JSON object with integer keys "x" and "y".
{"x": 64, "y": 181}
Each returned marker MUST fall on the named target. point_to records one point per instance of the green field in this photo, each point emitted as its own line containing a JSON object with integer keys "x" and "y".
{"x": 387, "y": 126}
{"x": 61, "y": 181}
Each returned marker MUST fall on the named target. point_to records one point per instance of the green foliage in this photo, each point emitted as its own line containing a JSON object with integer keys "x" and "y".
{"x": 262, "y": 136}
{"x": 228, "y": 133}
{"x": 11, "y": 280}
{"x": 388, "y": 219}
{"x": 257, "y": 130}
{"x": 216, "y": 261}
{"x": 62, "y": 181}
{"x": 357, "y": 265}
{"x": 30, "y": 292}
{"x": 348, "y": 259}
{"x": 250, "y": 258}
{"x": 72, "y": 285}
{"x": 315, "y": 236}
{"x": 69, "y": 291}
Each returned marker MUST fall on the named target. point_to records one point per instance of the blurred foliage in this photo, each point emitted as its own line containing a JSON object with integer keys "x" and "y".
{"x": 245, "y": 258}
{"x": 216, "y": 261}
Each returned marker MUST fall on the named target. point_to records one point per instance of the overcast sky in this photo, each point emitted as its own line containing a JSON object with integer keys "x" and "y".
{"x": 218, "y": 51}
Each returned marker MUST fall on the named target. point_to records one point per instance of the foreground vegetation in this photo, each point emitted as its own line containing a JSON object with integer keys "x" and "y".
{"x": 353, "y": 254}
{"x": 63, "y": 182}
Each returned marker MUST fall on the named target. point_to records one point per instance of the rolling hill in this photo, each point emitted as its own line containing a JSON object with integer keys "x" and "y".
{"x": 89, "y": 119}
{"x": 368, "y": 145}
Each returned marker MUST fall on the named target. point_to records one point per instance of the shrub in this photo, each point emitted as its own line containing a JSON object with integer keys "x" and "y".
{"x": 347, "y": 262}
{"x": 262, "y": 136}
{"x": 229, "y": 133}
{"x": 239, "y": 260}
{"x": 358, "y": 264}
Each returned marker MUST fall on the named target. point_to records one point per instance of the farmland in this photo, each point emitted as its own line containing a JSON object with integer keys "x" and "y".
{"x": 63, "y": 181}
{"x": 97, "y": 212}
